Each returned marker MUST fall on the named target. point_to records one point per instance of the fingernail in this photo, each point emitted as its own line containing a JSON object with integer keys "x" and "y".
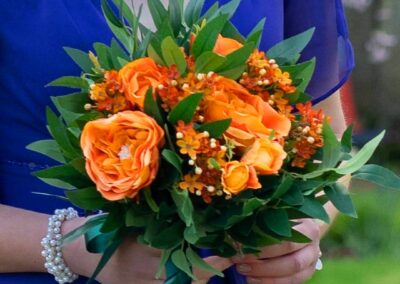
{"x": 253, "y": 281}
{"x": 243, "y": 268}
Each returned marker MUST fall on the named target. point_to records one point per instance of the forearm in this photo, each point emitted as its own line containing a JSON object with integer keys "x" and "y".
{"x": 332, "y": 107}
{"x": 20, "y": 234}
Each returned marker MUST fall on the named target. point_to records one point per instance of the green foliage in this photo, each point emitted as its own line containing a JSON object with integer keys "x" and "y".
{"x": 216, "y": 128}
{"x": 173, "y": 55}
{"x": 206, "y": 38}
{"x": 86, "y": 198}
{"x": 339, "y": 196}
{"x": 288, "y": 51}
{"x": 184, "y": 205}
{"x": 81, "y": 58}
{"x": 185, "y": 109}
{"x": 378, "y": 175}
{"x": 152, "y": 108}
{"x": 209, "y": 61}
{"x": 49, "y": 148}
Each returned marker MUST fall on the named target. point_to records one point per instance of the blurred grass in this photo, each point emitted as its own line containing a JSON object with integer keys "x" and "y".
{"x": 374, "y": 270}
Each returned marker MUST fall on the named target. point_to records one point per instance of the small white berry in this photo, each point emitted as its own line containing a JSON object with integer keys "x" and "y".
{"x": 179, "y": 135}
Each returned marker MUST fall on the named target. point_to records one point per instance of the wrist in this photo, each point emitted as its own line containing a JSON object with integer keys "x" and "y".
{"x": 76, "y": 257}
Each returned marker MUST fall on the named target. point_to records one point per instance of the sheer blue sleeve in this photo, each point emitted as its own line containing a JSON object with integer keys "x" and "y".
{"x": 330, "y": 44}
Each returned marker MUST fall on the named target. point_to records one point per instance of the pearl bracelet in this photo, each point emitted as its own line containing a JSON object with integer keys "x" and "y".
{"x": 52, "y": 251}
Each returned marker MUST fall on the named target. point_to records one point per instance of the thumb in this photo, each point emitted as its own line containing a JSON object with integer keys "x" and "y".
{"x": 219, "y": 263}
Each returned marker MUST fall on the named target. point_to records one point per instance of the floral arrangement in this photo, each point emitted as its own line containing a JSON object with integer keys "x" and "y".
{"x": 191, "y": 138}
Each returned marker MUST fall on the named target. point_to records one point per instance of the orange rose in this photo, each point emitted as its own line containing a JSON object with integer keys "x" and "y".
{"x": 122, "y": 153}
{"x": 237, "y": 176}
{"x": 251, "y": 116}
{"x": 265, "y": 156}
{"x": 137, "y": 76}
{"x": 225, "y": 45}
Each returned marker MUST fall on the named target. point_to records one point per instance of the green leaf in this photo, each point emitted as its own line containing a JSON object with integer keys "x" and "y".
{"x": 233, "y": 73}
{"x": 193, "y": 233}
{"x": 48, "y": 148}
{"x": 108, "y": 253}
{"x": 103, "y": 55}
{"x": 165, "y": 254}
{"x": 96, "y": 241}
{"x": 288, "y": 50}
{"x": 81, "y": 230}
{"x": 347, "y": 141}
{"x": 117, "y": 27}
{"x": 332, "y": 148}
{"x": 86, "y": 198}
{"x": 216, "y": 128}
{"x": 298, "y": 237}
{"x": 285, "y": 185}
{"x": 256, "y": 34}
{"x": 339, "y": 196}
{"x": 193, "y": 11}
{"x": 64, "y": 173}
{"x": 185, "y": 109}
{"x": 151, "y": 51}
{"x": 294, "y": 196}
{"x": 150, "y": 201}
{"x": 137, "y": 218}
{"x": 175, "y": 9}
{"x": 71, "y": 107}
{"x": 174, "y": 159}
{"x": 229, "y": 8}
{"x": 158, "y": 12}
{"x": 210, "y": 14}
{"x": 178, "y": 258}
{"x": 237, "y": 58}
{"x": 277, "y": 220}
{"x": 197, "y": 261}
{"x": 303, "y": 72}
{"x": 232, "y": 32}
{"x": 183, "y": 204}
{"x": 59, "y": 133}
{"x": 361, "y": 157}
{"x": 314, "y": 209}
{"x": 69, "y": 82}
{"x": 80, "y": 58}
{"x": 117, "y": 52}
{"x": 207, "y": 37}
{"x": 209, "y": 61}
{"x": 379, "y": 176}
{"x": 126, "y": 12}
{"x": 173, "y": 55}
{"x": 151, "y": 107}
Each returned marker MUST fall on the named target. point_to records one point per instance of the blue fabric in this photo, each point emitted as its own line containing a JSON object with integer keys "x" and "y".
{"x": 32, "y": 34}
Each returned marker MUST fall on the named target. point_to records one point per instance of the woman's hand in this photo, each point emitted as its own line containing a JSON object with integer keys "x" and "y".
{"x": 286, "y": 263}
{"x": 131, "y": 263}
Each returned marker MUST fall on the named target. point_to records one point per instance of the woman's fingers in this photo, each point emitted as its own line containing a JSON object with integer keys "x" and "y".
{"x": 297, "y": 278}
{"x": 281, "y": 266}
{"x": 217, "y": 262}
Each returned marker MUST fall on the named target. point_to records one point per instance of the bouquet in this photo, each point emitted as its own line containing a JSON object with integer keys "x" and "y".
{"x": 190, "y": 137}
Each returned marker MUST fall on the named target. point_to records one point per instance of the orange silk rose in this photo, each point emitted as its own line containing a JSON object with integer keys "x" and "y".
{"x": 237, "y": 176}
{"x": 122, "y": 153}
{"x": 265, "y": 156}
{"x": 225, "y": 45}
{"x": 137, "y": 76}
{"x": 251, "y": 116}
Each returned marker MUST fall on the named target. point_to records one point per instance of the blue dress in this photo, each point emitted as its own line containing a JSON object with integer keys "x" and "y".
{"x": 32, "y": 34}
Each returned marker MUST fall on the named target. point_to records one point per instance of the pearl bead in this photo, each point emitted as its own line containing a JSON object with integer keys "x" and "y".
{"x": 51, "y": 244}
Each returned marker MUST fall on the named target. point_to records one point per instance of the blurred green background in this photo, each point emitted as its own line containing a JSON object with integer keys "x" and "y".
{"x": 367, "y": 250}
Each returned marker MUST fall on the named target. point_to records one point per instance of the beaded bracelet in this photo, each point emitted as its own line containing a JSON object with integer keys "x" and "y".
{"x": 52, "y": 251}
